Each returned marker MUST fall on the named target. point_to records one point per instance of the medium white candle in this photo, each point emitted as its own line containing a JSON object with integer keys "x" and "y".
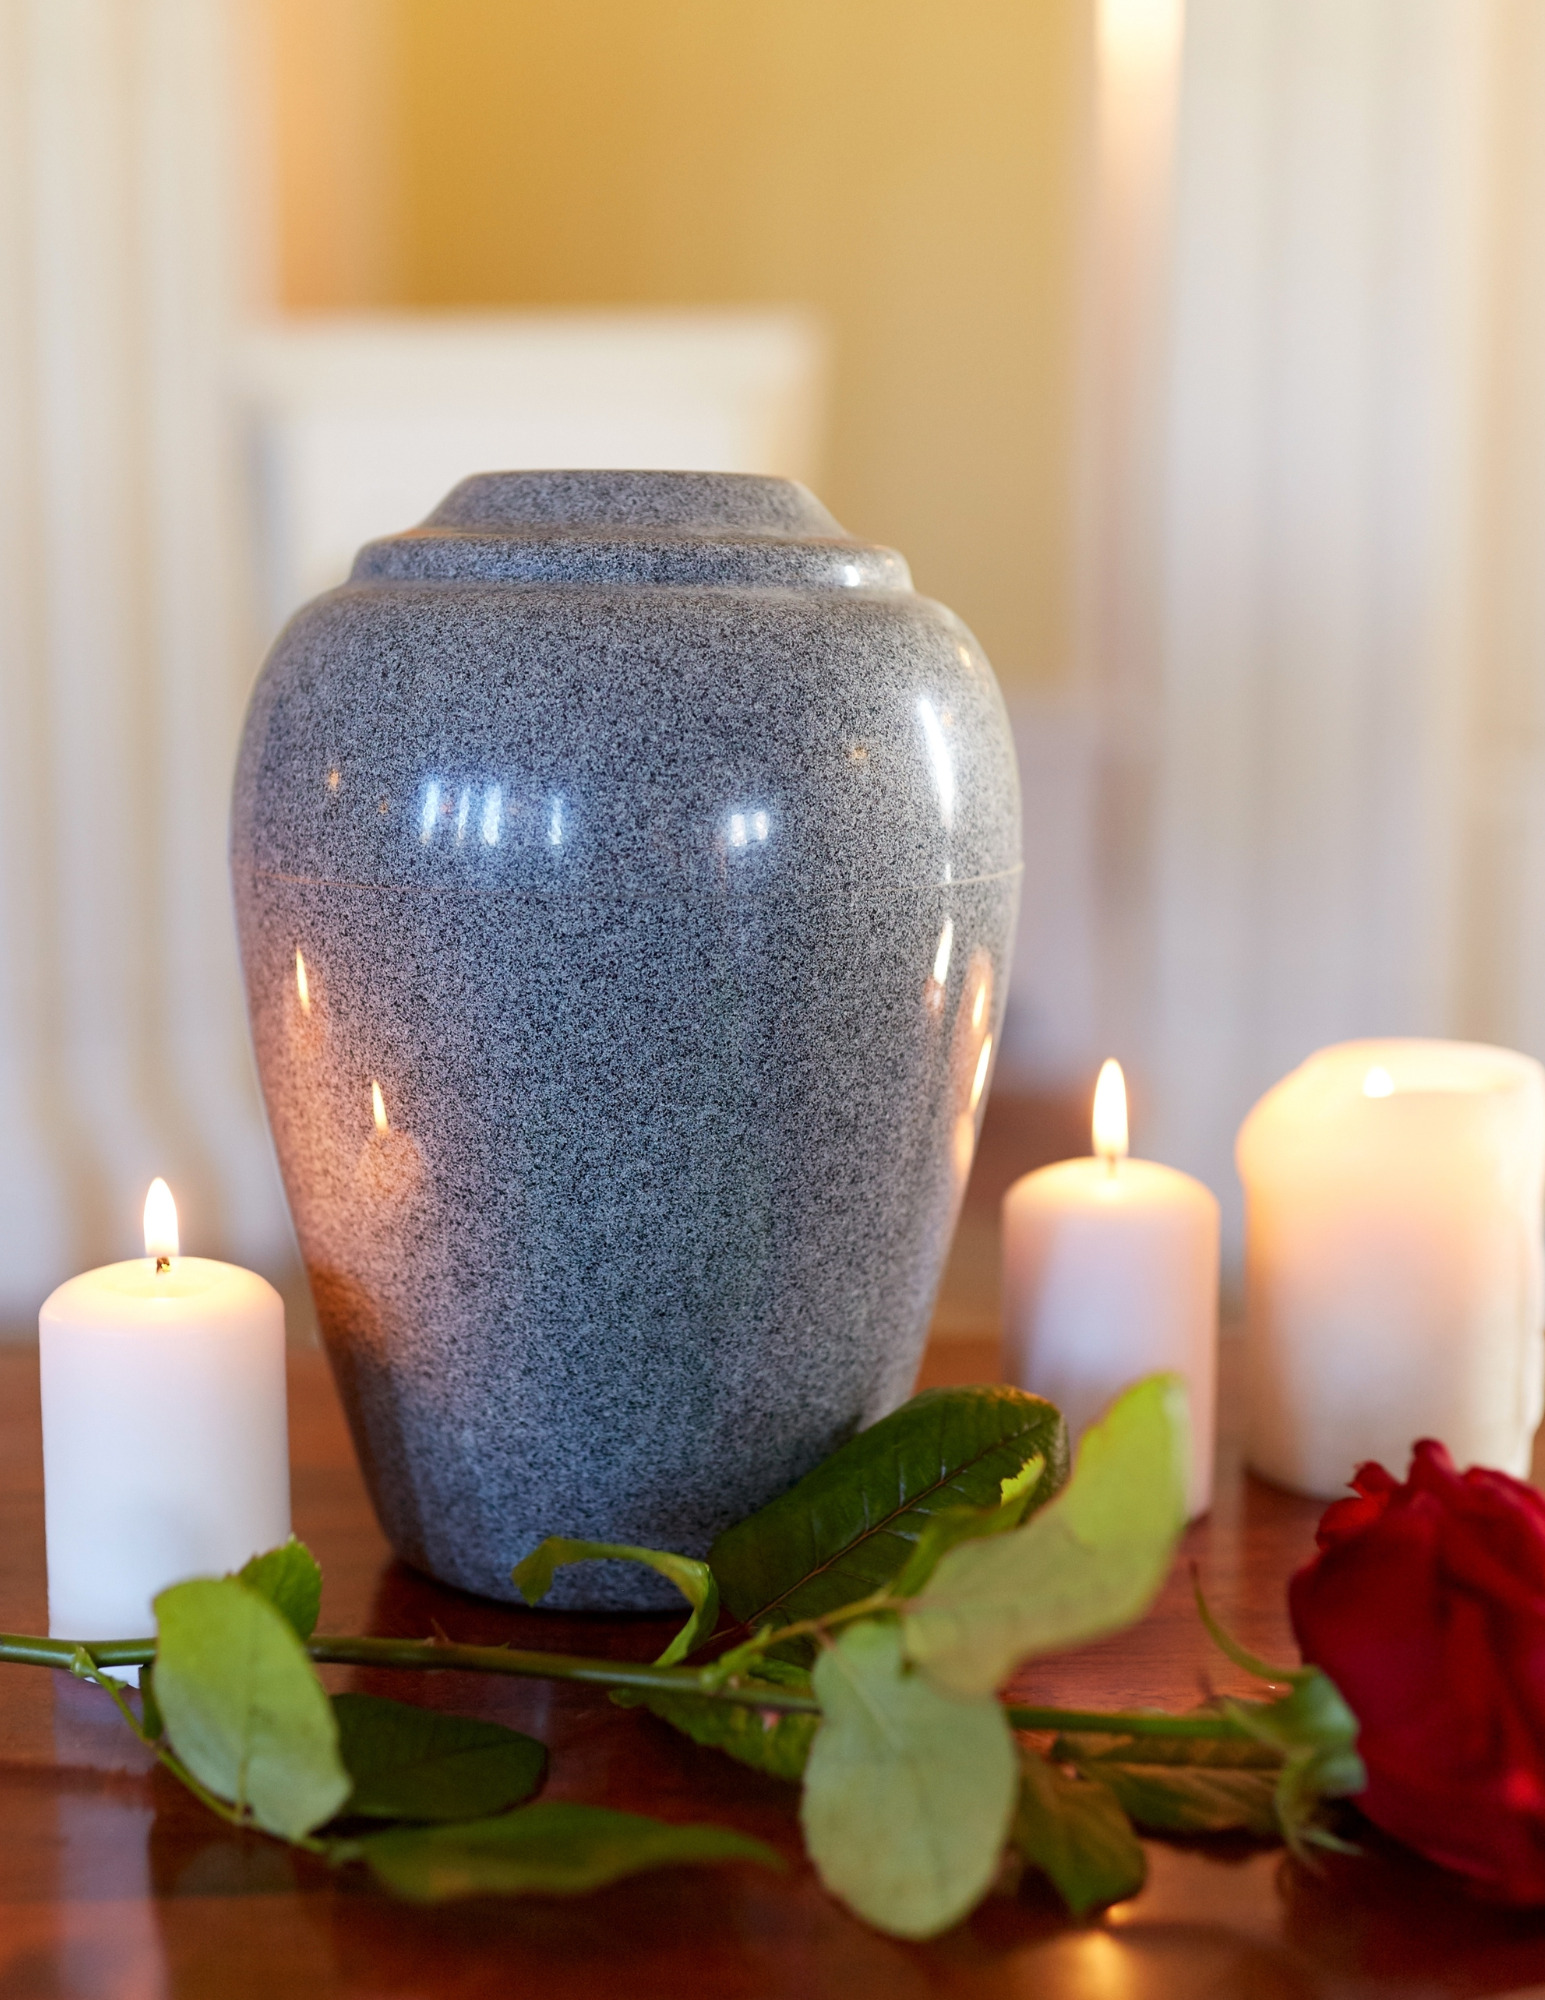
{"x": 1393, "y": 1260}
{"x": 165, "y": 1451}
{"x": 1110, "y": 1273}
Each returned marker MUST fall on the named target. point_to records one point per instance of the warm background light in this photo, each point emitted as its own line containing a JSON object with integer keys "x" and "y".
{"x": 1140, "y": 31}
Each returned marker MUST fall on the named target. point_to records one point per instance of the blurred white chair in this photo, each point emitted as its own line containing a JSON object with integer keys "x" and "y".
{"x": 357, "y": 424}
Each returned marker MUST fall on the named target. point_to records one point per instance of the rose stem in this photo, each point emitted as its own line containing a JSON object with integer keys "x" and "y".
{"x": 20, "y": 1649}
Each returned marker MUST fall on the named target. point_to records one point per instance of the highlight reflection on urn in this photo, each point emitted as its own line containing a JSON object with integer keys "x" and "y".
{"x": 664, "y": 936}
{"x": 390, "y": 1162}
{"x": 304, "y": 1011}
{"x": 938, "y": 978}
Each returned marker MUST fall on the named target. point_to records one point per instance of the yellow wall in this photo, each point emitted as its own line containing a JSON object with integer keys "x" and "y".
{"x": 337, "y": 104}
{"x": 906, "y": 166}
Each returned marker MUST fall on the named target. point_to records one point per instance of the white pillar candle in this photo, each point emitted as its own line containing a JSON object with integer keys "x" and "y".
{"x": 1393, "y": 1260}
{"x": 165, "y": 1446}
{"x": 1110, "y": 1273}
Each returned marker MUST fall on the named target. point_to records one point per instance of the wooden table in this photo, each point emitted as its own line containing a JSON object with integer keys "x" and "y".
{"x": 115, "y": 1885}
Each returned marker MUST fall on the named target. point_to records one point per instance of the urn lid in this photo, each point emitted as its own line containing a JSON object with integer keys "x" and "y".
{"x": 632, "y": 528}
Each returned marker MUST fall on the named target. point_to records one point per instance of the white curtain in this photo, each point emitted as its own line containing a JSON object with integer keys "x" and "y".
{"x": 125, "y": 645}
{"x": 1332, "y": 728}
{"x": 1335, "y": 196}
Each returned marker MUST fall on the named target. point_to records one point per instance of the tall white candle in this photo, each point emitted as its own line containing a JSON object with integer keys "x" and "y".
{"x": 165, "y": 1445}
{"x": 1393, "y": 1260}
{"x": 1110, "y": 1273}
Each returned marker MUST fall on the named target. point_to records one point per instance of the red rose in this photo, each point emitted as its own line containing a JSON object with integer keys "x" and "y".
{"x": 1426, "y": 1606}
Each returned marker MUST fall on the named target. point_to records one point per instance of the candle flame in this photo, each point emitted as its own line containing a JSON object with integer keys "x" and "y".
{"x": 1378, "y": 1082}
{"x": 302, "y": 983}
{"x": 377, "y": 1106}
{"x": 160, "y": 1223}
{"x": 1110, "y": 1113}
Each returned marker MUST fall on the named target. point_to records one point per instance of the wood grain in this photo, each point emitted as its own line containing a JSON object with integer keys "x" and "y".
{"x": 114, "y": 1883}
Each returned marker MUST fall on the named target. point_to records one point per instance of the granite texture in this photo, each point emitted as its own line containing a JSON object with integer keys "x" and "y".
{"x": 626, "y": 867}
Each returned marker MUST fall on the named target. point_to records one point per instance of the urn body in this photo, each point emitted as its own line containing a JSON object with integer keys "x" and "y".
{"x": 626, "y": 868}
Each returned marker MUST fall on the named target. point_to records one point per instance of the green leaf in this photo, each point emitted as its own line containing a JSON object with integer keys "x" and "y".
{"x": 243, "y": 1707}
{"x": 1313, "y": 1731}
{"x": 1313, "y": 1716}
{"x": 851, "y": 1525}
{"x": 1316, "y": 1734}
{"x": 775, "y": 1743}
{"x": 766, "y": 1739}
{"x": 1230, "y": 1647}
{"x": 533, "y": 1576}
{"x": 908, "y": 1792}
{"x": 549, "y": 1849}
{"x": 769, "y": 1740}
{"x": 1087, "y": 1564}
{"x": 1221, "y": 1753}
{"x": 418, "y": 1763}
{"x": 291, "y": 1581}
{"x": 948, "y": 1530}
{"x": 1076, "y": 1832}
{"x": 1184, "y": 1784}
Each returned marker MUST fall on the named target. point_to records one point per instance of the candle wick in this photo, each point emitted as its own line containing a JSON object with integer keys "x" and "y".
{"x": 163, "y": 1264}
{"x": 1112, "y": 1162}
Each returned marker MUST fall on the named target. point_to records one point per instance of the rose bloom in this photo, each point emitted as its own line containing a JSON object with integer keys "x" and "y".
{"x": 1426, "y": 1606}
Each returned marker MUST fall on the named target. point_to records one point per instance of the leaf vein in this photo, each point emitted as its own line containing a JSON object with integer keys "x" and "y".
{"x": 944, "y": 1483}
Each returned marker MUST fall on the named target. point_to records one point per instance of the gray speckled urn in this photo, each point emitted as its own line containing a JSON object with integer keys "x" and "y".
{"x": 626, "y": 867}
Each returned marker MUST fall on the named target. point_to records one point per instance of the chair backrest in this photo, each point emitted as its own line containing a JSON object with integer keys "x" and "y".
{"x": 357, "y": 424}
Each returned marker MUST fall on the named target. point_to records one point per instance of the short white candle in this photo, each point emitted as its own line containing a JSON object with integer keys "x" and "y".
{"x": 165, "y": 1448}
{"x": 1393, "y": 1261}
{"x": 1110, "y": 1273}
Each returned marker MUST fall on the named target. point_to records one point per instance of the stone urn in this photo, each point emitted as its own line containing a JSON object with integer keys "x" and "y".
{"x": 626, "y": 867}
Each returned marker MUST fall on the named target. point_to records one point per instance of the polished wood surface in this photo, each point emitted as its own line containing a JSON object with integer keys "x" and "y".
{"x": 113, "y": 1882}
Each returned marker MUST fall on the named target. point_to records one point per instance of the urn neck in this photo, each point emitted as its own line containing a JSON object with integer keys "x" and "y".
{"x": 693, "y": 529}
